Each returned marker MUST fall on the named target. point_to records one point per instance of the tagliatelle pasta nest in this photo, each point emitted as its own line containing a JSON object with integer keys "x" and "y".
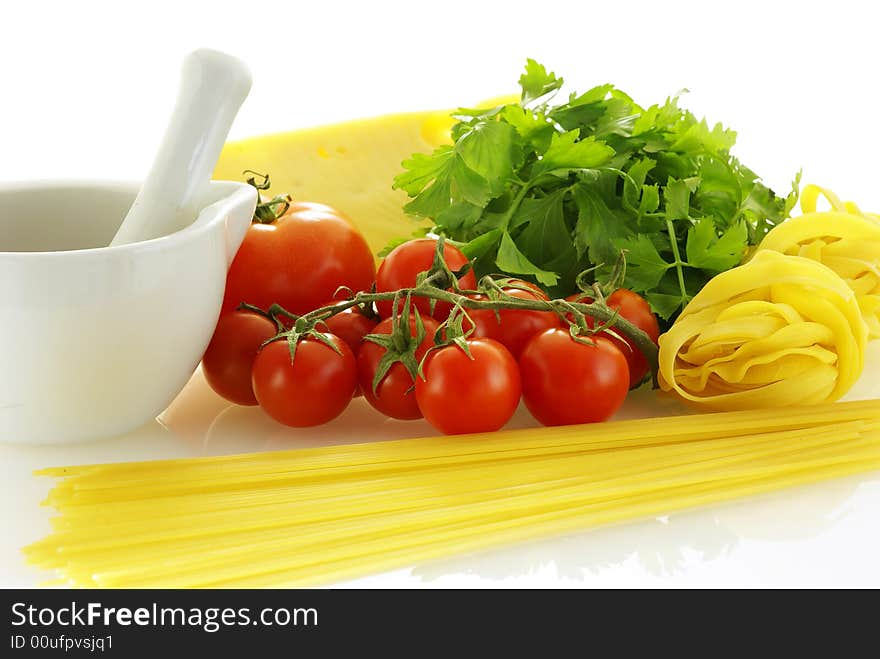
{"x": 843, "y": 238}
{"x": 778, "y": 330}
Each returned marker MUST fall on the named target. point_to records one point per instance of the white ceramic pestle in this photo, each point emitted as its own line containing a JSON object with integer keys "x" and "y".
{"x": 212, "y": 88}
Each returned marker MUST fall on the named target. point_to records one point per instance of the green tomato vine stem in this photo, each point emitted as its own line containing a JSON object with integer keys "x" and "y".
{"x": 679, "y": 270}
{"x": 601, "y": 312}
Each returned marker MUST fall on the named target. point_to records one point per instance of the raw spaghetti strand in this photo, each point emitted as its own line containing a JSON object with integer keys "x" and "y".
{"x": 310, "y": 516}
{"x": 189, "y": 560}
{"x": 113, "y": 482}
{"x": 418, "y": 492}
{"x": 186, "y": 549}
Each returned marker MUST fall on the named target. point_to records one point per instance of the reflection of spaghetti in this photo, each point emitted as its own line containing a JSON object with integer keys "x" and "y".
{"x": 318, "y": 515}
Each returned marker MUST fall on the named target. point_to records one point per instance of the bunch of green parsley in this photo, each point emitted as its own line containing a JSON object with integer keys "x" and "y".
{"x": 547, "y": 191}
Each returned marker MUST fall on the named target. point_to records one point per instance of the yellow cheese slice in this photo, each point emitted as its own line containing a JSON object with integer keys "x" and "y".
{"x": 349, "y": 166}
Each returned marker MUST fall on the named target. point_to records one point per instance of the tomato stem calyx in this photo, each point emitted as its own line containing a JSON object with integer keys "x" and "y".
{"x": 401, "y": 344}
{"x": 303, "y": 327}
{"x": 264, "y": 182}
{"x": 269, "y": 211}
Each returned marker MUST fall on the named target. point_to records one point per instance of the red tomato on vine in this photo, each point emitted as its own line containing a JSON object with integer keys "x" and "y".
{"x": 463, "y": 393}
{"x": 313, "y": 388}
{"x": 394, "y": 395}
{"x": 404, "y": 263}
{"x": 299, "y": 260}
{"x": 635, "y": 309}
{"x": 514, "y": 327}
{"x": 230, "y": 356}
{"x": 351, "y": 326}
{"x": 566, "y": 381}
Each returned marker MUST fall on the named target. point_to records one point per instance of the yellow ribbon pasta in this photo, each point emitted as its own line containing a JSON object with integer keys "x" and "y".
{"x": 843, "y": 238}
{"x": 779, "y": 330}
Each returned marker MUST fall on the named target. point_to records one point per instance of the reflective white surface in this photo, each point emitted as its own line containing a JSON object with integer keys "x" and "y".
{"x": 823, "y": 535}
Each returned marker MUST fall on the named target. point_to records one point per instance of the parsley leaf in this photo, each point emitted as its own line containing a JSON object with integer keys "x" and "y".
{"x": 452, "y": 178}
{"x": 677, "y": 196}
{"x": 707, "y": 251}
{"x": 536, "y": 82}
{"x": 663, "y": 304}
{"x": 511, "y": 260}
{"x": 567, "y": 152}
{"x": 492, "y": 150}
{"x": 644, "y": 265}
{"x": 545, "y": 190}
{"x": 599, "y": 229}
{"x": 535, "y": 128}
{"x": 545, "y": 227}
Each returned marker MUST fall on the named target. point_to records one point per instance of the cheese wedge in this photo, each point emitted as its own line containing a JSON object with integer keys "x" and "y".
{"x": 349, "y": 166}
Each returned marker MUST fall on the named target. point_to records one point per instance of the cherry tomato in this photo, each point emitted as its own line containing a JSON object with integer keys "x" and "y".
{"x": 312, "y": 389}
{"x": 393, "y": 397}
{"x": 483, "y": 322}
{"x": 401, "y": 267}
{"x": 462, "y": 394}
{"x": 635, "y": 309}
{"x": 350, "y": 325}
{"x": 516, "y": 326}
{"x": 566, "y": 382}
{"x": 230, "y": 356}
{"x": 299, "y": 260}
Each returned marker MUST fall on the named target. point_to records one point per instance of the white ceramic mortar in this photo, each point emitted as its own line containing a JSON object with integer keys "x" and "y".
{"x": 96, "y": 340}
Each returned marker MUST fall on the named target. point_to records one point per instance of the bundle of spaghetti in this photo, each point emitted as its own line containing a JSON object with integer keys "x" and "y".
{"x": 311, "y": 516}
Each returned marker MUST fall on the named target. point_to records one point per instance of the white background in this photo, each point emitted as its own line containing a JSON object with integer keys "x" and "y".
{"x": 85, "y": 89}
